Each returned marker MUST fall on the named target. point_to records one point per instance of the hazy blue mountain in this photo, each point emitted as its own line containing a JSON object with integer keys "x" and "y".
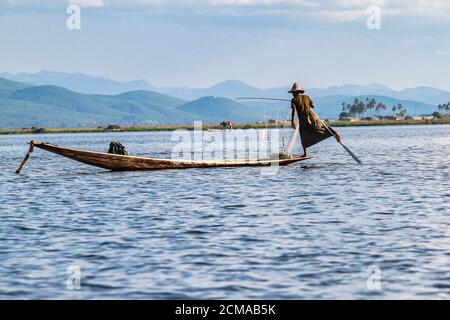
{"x": 22, "y": 105}
{"x": 229, "y": 89}
{"x": 425, "y": 94}
{"x": 217, "y": 109}
{"x": 78, "y": 82}
{"x": 7, "y": 87}
{"x": 352, "y": 90}
{"x": 233, "y": 89}
{"x": 24, "y": 114}
{"x": 155, "y": 98}
{"x": 62, "y": 98}
{"x": 60, "y": 107}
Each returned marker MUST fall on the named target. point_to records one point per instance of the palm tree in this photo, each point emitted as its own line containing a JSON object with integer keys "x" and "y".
{"x": 360, "y": 107}
{"x": 379, "y": 107}
{"x": 370, "y": 105}
{"x": 444, "y": 107}
{"x": 366, "y": 105}
{"x": 353, "y": 108}
{"x": 401, "y": 111}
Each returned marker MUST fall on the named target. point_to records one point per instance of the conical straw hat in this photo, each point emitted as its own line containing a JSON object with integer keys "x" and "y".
{"x": 296, "y": 88}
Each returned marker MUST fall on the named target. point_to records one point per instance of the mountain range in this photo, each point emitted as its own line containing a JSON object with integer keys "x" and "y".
{"x": 229, "y": 89}
{"x": 52, "y": 99}
{"x": 78, "y": 82}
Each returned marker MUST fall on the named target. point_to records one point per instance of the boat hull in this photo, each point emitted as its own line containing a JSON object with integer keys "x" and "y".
{"x": 115, "y": 162}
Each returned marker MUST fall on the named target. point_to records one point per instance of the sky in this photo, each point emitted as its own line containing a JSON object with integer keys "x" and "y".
{"x": 266, "y": 43}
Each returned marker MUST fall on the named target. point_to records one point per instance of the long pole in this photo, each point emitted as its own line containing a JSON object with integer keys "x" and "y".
{"x": 19, "y": 169}
{"x": 323, "y": 123}
{"x": 343, "y": 145}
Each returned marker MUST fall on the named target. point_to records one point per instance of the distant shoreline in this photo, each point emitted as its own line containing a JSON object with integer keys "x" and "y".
{"x": 215, "y": 127}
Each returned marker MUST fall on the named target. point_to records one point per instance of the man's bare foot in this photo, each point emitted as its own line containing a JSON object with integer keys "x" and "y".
{"x": 304, "y": 155}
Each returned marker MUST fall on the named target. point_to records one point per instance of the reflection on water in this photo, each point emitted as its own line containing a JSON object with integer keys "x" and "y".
{"x": 314, "y": 230}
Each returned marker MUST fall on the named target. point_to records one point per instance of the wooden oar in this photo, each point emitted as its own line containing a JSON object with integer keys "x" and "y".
{"x": 323, "y": 123}
{"x": 30, "y": 151}
{"x": 346, "y": 149}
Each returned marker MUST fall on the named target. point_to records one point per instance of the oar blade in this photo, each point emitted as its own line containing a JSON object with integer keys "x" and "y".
{"x": 351, "y": 153}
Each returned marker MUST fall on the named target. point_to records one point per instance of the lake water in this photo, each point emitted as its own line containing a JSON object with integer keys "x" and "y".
{"x": 323, "y": 228}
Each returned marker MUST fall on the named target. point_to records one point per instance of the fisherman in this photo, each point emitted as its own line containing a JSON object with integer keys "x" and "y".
{"x": 312, "y": 129}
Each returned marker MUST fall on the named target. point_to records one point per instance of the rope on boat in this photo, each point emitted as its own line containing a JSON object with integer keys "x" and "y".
{"x": 30, "y": 151}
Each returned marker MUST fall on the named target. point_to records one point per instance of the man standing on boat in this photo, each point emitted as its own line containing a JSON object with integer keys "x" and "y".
{"x": 312, "y": 129}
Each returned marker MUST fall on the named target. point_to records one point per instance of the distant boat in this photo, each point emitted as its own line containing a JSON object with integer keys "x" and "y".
{"x": 115, "y": 162}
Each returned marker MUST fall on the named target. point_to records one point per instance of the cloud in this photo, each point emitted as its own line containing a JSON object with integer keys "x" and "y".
{"x": 87, "y": 3}
{"x": 341, "y": 15}
{"x": 260, "y": 2}
{"x": 321, "y": 10}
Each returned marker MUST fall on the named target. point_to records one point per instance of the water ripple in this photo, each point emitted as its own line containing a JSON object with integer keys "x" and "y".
{"x": 313, "y": 230}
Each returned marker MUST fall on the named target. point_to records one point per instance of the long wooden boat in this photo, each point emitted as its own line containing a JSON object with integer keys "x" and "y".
{"x": 115, "y": 162}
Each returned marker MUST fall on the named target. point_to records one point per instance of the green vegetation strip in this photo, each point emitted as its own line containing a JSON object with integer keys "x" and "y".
{"x": 209, "y": 127}
{"x": 386, "y": 123}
